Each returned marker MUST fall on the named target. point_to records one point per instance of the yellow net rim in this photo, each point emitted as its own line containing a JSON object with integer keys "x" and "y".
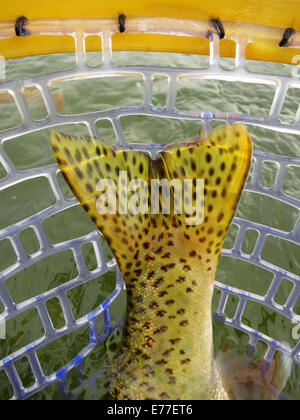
{"x": 52, "y": 24}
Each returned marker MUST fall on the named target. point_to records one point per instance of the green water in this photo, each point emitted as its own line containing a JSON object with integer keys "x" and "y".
{"x": 20, "y": 201}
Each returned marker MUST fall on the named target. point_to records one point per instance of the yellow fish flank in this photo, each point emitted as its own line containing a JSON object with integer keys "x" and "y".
{"x": 168, "y": 266}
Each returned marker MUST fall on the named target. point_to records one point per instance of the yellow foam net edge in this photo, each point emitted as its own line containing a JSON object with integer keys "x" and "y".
{"x": 265, "y": 20}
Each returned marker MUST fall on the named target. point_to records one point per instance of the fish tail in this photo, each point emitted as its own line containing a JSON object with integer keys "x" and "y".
{"x": 165, "y": 220}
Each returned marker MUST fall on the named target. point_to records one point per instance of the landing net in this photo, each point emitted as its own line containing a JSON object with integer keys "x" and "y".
{"x": 105, "y": 29}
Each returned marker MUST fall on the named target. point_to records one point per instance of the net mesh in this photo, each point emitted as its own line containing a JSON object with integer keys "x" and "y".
{"x": 14, "y": 176}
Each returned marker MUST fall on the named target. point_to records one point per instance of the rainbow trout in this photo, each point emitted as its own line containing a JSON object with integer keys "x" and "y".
{"x": 168, "y": 265}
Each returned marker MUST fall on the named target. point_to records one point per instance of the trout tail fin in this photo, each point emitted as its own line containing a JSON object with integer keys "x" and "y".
{"x": 100, "y": 177}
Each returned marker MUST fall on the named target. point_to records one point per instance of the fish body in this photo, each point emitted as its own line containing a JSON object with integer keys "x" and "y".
{"x": 168, "y": 264}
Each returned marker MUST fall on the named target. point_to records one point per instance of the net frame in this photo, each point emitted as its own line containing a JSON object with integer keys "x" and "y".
{"x": 105, "y": 28}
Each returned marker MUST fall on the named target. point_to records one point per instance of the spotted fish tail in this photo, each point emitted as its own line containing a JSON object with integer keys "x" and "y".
{"x": 168, "y": 263}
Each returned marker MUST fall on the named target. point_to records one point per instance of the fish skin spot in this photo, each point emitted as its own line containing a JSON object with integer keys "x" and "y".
{"x": 144, "y": 384}
{"x": 170, "y": 302}
{"x": 182, "y": 171}
{"x": 89, "y": 187}
{"x": 157, "y": 282}
{"x": 55, "y": 148}
{"x": 57, "y": 137}
{"x": 167, "y": 352}
{"x": 164, "y": 396}
{"x": 181, "y": 311}
{"x": 174, "y": 341}
{"x": 208, "y": 157}
{"x": 161, "y": 362}
{"x": 167, "y": 267}
{"x": 79, "y": 173}
{"x": 89, "y": 169}
{"x": 161, "y": 330}
{"x": 166, "y": 255}
{"x": 86, "y": 153}
{"x": 220, "y": 217}
{"x": 153, "y": 222}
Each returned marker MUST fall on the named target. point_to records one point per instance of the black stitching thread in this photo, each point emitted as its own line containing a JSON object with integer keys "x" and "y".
{"x": 288, "y": 33}
{"x": 122, "y": 21}
{"x": 20, "y": 24}
{"x": 217, "y": 24}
